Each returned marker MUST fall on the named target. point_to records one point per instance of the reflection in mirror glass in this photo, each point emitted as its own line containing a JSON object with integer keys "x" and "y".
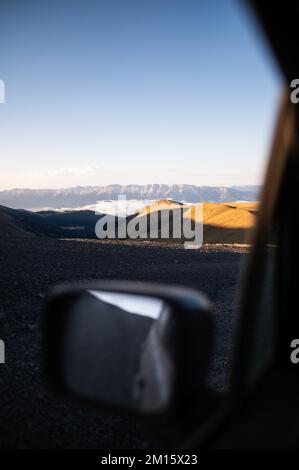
{"x": 135, "y": 304}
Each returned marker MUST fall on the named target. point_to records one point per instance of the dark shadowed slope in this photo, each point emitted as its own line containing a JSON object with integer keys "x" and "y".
{"x": 79, "y": 224}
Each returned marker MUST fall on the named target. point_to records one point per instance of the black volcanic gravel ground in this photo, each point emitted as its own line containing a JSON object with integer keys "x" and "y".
{"x": 31, "y": 416}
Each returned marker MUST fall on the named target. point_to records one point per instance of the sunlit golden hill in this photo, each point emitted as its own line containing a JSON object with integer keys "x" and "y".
{"x": 224, "y": 223}
{"x": 229, "y": 223}
{"x": 160, "y": 205}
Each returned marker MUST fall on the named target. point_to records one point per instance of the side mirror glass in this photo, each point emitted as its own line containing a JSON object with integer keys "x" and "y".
{"x": 133, "y": 346}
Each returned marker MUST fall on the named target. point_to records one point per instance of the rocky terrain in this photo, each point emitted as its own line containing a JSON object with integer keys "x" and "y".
{"x": 31, "y": 415}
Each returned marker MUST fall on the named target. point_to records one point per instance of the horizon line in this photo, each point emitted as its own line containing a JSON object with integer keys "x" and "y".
{"x": 132, "y": 184}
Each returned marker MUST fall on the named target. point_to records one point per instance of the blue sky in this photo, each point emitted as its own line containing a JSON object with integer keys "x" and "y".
{"x": 122, "y": 91}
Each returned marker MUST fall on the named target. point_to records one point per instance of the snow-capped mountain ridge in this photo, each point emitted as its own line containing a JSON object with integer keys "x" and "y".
{"x": 86, "y": 195}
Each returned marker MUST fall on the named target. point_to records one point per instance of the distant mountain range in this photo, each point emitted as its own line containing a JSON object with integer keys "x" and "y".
{"x": 82, "y": 196}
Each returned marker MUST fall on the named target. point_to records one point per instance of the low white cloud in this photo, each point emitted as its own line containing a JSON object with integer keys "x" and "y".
{"x": 52, "y": 178}
{"x": 65, "y": 171}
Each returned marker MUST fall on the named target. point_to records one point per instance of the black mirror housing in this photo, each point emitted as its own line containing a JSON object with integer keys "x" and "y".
{"x": 132, "y": 346}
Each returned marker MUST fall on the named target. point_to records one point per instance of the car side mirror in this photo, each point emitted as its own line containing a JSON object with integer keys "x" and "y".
{"x": 139, "y": 347}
